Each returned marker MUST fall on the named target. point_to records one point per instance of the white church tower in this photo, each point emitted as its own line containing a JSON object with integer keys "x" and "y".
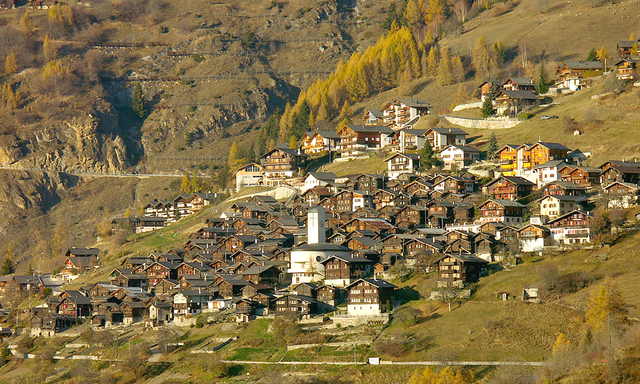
{"x": 316, "y": 231}
{"x": 305, "y": 265}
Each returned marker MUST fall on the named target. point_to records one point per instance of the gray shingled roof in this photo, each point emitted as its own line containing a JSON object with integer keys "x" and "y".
{"x": 450, "y": 131}
{"x": 593, "y": 65}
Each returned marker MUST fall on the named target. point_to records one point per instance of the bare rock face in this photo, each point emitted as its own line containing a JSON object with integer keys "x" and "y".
{"x": 24, "y": 190}
{"x": 78, "y": 144}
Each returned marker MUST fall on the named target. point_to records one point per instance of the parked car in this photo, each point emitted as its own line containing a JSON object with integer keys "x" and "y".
{"x": 545, "y": 117}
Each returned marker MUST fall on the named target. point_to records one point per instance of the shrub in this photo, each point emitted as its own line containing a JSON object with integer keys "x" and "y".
{"x": 198, "y": 58}
{"x": 525, "y": 116}
{"x": 391, "y": 348}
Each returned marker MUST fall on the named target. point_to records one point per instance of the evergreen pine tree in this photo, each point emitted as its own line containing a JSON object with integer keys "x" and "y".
{"x": 487, "y": 105}
{"x": 222, "y": 176}
{"x": 542, "y": 86}
{"x": 8, "y": 266}
{"x": 492, "y": 149}
{"x": 137, "y": 102}
{"x": 593, "y": 55}
{"x": 427, "y": 157}
{"x": 30, "y": 270}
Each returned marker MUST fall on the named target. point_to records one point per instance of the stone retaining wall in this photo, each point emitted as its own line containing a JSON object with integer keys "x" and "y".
{"x": 489, "y": 123}
{"x": 467, "y": 106}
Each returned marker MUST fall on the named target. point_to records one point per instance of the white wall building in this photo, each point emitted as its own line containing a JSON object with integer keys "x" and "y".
{"x": 305, "y": 266}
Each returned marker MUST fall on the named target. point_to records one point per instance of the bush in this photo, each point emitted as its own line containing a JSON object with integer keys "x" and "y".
{"x": 391, "y": 348}
{"x": 163, "y": 29}
{"x": 525, "y": 116}
{"x": 198, "y": 58}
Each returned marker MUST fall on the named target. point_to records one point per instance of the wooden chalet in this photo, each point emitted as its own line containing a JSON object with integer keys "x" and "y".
{"x": 369, "y": 297}
{"x": 624, "y": 171}
{"x": 519, "y": 84}
{"x": 621, "y": 195}
{"x": 565, "y": 188}
{"x": 340, "y": 271}
{"x": 500, "y": 210}
{"x": 281, "y": 163}
{"x": 575, "y": 75}
{"x": 507, "y": 157}
{"x": 458, "y": 270}
{"x": 627, "y": 69}
{"x": 399, "y": 163}
{"x": 628, "y": 48}
{"x": 508, "y": 188}
{"x": 509, "y": 102}
{"x": 297, "y": 304}
{"x": 412, "y": 216}
{"x": 571, "y": 228}
{"x": 440, "y": 138}
{"x": 356, "y": 140}
{"x": 404, "y": 112}
{"x": 582, "y": 176}
{"x": 320, "y": 141}
{"x": 533, "y": 238}
{"x": 262, "y": 274}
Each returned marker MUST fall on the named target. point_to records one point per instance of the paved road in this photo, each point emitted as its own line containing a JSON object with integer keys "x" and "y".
{"x": 96, "y": 174}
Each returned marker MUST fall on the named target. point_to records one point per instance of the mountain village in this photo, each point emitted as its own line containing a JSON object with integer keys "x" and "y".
{"x": 327, "y": 252}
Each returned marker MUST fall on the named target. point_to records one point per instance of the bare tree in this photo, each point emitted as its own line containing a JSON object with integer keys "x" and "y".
{"x": 461, "y": 10}
{"x": 449, "y": 294}
{"x": 407, "y": 315}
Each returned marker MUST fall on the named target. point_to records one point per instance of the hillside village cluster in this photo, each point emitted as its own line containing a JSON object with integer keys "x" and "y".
{"x": 339, "y": 239}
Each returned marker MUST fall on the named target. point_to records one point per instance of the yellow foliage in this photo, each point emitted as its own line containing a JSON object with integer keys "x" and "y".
{"x": 26, "y": 25}
{"x": 480, "y": 58}
{"x": 445, "y": 77}
{"x": 185, "y": 186}
{"x": 602, "y": 54}
{"x": 605, "y": 307}
{"x": 376, "y": 69}
{"x": 48, "y": 49}
{"x": 445, "y": 376}
{"x": 53, "y": 68}
{"x": 561, "y": 346}
{"x": 8, "y": 98}
{"x": 432, "y": 61}
{"x": 413, "y": 13}
{"x": 11, "y": 64}
{"x": 458, "y": 70}
{"x": 61, "y": 13}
